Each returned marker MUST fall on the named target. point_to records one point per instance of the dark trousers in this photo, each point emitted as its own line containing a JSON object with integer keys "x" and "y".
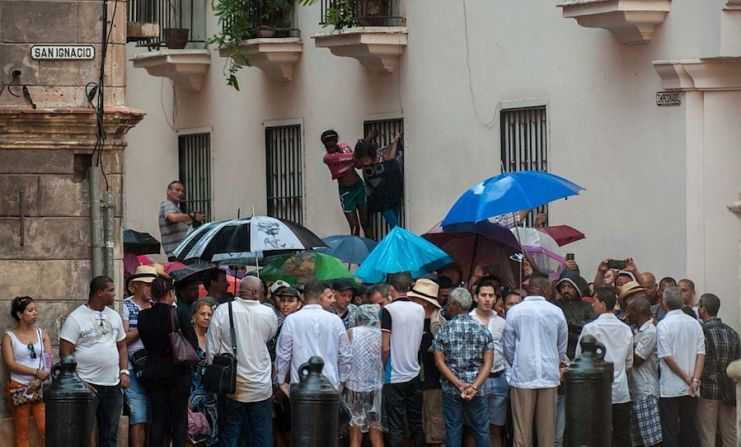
{"x": 621, "y": 425}
{"x": 400, "y": 400}
{"x": 107, "y": 405}
{"x": 678, "y": 418}
{"x": 245, "y": 423}
{"x": 168, "y": 399}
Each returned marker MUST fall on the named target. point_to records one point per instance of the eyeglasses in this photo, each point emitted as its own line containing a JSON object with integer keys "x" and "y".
{"x": 32, "y": 350}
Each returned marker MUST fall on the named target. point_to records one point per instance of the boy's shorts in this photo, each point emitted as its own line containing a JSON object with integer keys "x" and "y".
{"x": 352, "y": 197}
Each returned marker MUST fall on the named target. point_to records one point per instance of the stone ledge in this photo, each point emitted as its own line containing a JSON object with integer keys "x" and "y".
{"x": 276, "y": 57}
{"x": 377, "y": 48}
{"x": 187, "y": 68}
{"x": 706, "y": 74}
{"x": 633, "y": 22}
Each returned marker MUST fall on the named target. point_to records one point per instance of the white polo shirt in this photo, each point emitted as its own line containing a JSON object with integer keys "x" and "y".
{"x": 618, "y": 340}
{"x": 678, "y": 336}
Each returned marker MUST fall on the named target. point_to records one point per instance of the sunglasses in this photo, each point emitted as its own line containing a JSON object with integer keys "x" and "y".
{"x": 32, "y": 350}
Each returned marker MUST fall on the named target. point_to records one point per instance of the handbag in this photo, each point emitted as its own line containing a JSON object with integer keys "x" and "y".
{"x": 220, "y": 376}
{"x": 183, "y": 353}
{"x": 22, "y": 395}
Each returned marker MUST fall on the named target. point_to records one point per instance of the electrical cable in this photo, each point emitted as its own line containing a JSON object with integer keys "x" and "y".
{"x": 489, "y": 124}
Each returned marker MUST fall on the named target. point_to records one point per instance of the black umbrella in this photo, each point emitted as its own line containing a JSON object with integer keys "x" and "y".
{"x": 257, "y": 234}
{"x": 138, "y": 243}
{"x": 193, "y": 271}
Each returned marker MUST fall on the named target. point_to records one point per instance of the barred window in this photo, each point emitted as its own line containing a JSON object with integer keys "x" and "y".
{"x": 387, "y": 129}
{"x": 524, "y": 142}
{"x": 283, "y": 172}
{"x": 194, "y": 161}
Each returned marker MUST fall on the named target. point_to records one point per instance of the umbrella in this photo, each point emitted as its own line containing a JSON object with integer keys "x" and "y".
{"x": 300, "y": 268}
{"x": 541, "y": 249}
{"x": 132, "y": 261}
{"x": 507, "y": 193}
{"x": 138, "y": 243}
{"x": 193, "y": 271}
{"x": 254, "y": 234}
{"x": 348, "y": 248}
{"x": 483, "y": 243}
{"x": 402, "y": 251}
{"x": 563, "y": 234}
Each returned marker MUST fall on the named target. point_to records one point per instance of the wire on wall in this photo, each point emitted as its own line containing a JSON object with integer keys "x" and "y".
{"x": 490, "y": 123}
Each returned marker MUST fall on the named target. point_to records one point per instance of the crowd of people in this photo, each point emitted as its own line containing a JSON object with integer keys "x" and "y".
{"x": 429, "y": 362}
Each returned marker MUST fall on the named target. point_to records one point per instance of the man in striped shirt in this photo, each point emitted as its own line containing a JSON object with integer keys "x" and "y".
{"x": 175, "y": 224}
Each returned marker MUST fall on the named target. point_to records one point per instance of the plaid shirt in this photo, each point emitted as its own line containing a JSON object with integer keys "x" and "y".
{"x": 463, "y": 341}
{"x": 722, "y": 347}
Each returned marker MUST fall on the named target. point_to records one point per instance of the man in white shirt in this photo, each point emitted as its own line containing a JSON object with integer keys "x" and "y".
{"x": 535, "y": 338}
{"x": 644, "y": 386}
{"x": 94, "y": 333}
{"x": 402, "y": 325}
{"x": 681, "y": 348}
{"x": 313, "y": 331}
{"x": 618, "y": 341}
{"x": 250, "y": 407}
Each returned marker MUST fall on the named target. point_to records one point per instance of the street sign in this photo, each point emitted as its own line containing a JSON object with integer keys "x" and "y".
{"x": 667, "y": 99}
{"x": 62, "y": 52}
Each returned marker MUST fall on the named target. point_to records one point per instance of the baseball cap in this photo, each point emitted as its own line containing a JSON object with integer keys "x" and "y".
{"x": 277, "y": 285}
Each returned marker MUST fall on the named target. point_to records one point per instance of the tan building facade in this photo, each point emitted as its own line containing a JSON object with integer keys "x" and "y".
{"x": 50, "y": 58}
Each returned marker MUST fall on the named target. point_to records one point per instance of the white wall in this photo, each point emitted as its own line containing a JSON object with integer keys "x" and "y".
{"x": 606, "y": 132}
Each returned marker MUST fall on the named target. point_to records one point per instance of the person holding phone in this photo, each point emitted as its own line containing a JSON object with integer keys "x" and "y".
{"x": 26, "y": 350}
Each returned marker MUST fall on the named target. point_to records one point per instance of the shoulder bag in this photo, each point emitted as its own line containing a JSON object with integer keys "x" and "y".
{"x": 183, "y": 352}
{"x": 23, "y": 394}
{"x": 221, "y": 375}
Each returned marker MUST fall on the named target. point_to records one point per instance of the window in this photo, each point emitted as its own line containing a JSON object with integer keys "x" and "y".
{"x": 283, "y": 172}
{"x": 386, "y": 131}
{"x": 194, "y": 160}
{"x": 524, "y": 140}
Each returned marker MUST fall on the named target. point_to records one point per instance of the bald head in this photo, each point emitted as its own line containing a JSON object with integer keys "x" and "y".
{"x": 639, "y": 311}
{"x": 539, "y": 285}
{"x": 250, "y": 288}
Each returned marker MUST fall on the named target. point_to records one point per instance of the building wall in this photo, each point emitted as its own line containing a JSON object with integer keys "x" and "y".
{"x": 636, "y": 160}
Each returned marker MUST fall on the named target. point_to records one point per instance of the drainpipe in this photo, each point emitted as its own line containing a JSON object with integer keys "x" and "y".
{"x": 96, "y": 235}
{"x": 108, "y": 239}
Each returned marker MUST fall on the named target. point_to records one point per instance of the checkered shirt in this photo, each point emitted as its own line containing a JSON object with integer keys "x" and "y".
{"x": 721, "y": 348}
{"x": 463, "y": 341}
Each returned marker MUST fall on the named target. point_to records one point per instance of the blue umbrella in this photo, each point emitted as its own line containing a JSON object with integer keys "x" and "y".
{"x": 402, "y": 251}
{"x": 507, "y": 193}
{"x": 348, "y": 248}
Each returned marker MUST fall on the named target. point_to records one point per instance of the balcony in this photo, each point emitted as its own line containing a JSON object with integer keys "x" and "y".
{"x": 371, "y": 31}
{"x": 260, "y": 34}
{"x": 174, "y": 32}
{"x": 633, "y": 22}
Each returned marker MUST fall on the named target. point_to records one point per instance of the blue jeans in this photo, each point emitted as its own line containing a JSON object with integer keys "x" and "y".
{"x": 679, "y": 412}
{"x": 560, "y": 419}
{"x": 255, "y": 417}
{"x": 107, "y": 406}
{"x": 476, "y": 412}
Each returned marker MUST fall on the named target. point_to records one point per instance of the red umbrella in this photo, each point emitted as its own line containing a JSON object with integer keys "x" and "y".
{"x": 485, "y": 243}
{"x": 563, "y": 234}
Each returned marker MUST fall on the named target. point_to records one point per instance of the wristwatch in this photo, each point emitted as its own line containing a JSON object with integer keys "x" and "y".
{"x": 124, "y": 371}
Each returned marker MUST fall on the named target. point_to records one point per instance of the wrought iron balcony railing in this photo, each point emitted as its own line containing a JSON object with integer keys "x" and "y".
{"x": 181, "y": 23}
{"x": 347, "y": 13}
{"x": 262, "y": 18}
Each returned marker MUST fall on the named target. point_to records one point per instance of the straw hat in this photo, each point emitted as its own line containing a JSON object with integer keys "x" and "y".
{"x": 630, "y": 288}
{"x": 144, "y": 273}
{"x": 425, "y": 289}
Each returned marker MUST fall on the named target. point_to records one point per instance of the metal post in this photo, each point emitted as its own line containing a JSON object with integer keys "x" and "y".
{"x": 96, "y": 235}
{"x": 108, "y": 238}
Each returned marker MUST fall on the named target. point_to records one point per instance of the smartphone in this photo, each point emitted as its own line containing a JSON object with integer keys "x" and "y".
{"x": 569, "y": 256}
{"x": 617, "y": 264}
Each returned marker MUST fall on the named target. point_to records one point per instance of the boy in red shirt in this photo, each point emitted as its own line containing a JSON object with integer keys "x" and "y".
{"x": 341, "y": 163}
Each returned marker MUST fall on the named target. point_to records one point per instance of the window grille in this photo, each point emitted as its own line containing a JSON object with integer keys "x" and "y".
{"x": 524, "y": 143}
{"x": 283, "y": 172}
{"x": 194, "y": 160}
{"x": 387, "y": 129}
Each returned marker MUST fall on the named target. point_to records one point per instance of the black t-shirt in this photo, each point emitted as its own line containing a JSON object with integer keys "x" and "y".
{"x": 430, "y": 375}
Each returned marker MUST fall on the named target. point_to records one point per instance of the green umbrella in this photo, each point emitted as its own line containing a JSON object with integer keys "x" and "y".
{"x": 303, "y": 267}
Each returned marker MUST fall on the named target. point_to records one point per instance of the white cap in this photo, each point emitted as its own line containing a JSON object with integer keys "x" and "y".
{"x": 277, "y": 285}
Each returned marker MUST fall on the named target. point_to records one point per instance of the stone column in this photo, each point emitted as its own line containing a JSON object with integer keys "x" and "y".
{"x": 734, "y": 369}
{"x": 48, "y": 130}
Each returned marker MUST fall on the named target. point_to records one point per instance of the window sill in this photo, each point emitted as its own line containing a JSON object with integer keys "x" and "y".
{"x": 187, "y": 68}
{"x": 377, "y": 48}
{"x": 633, "y": 22}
